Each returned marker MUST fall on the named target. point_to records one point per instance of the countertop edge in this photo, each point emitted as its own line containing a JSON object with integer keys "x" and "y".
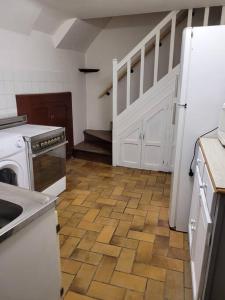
{"x": 217, "y": 189}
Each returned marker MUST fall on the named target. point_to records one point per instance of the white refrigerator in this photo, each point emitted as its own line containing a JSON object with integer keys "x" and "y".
{"x": 201, "y": 95}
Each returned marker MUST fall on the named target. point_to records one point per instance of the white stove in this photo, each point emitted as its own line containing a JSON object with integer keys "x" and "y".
{"x": 29, "y": 130}
{"x": 46, "y": 153}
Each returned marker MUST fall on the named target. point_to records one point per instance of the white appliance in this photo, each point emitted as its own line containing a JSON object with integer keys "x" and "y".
{"x": 221, "y": 128}
{"x": 29, "y": 245}
{"x": 46, "y": 153}
{"x": 13, "y": 160}
{"x": 200, "y": 98}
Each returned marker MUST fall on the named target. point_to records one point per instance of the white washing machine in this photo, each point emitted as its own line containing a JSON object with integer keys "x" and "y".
{"x": 13, "y": 160}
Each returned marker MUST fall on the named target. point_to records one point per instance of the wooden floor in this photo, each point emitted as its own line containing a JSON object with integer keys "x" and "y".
{"x": 115, "y": 239}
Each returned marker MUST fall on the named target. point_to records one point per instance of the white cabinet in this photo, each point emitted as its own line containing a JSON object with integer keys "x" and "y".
{"x": 30, "y": 261}
{"x": 207, "y": 222}
{"x": 200, "y": 225}
{"x": 145, "y": 144}
{"x": 200, "y": 246}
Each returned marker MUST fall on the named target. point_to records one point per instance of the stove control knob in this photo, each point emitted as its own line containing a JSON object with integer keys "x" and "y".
{"x": 19, "y": 144}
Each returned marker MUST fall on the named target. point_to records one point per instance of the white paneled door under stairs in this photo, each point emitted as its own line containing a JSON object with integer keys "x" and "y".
{"x": 146, "y": 143}
{"x": 143, "y": 129}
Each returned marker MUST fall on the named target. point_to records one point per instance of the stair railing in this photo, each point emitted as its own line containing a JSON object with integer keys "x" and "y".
{"x": 140, "y": 48}
{"x": 124, "y": 67}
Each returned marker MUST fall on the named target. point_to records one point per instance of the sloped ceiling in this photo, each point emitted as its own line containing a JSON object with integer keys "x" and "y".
{"x": 19, "y": 15}
{"x": 84, "y": 9}
{"x": 49, "y": 20}
{"x": 23, "y": 16}
{"x": 82, "y": 33}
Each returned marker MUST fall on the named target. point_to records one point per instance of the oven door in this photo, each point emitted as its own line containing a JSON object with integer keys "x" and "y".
{"x": 48, "y": 167}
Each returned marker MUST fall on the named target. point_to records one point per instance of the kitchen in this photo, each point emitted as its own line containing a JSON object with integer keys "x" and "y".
{"x": 74, "y": 227}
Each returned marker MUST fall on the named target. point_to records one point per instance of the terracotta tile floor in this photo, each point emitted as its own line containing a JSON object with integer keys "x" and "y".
{"x": 115, "y": 240}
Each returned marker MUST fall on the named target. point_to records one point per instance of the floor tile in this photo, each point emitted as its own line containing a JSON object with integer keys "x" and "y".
{"x": 68, "y": 246}
{"x": 76, "y": 296}
{"x": 129, "y": 281}
{"x": 174, "y": 287}
{"x": 70, "y": 266}
{"x": 105, "y": 291}
{"x": 66, "y": 281}
{"x": 106, "y": 234}
{"x": 86, "y": 256}
{"x": 142, "y": 236}
{"x": 105, "y": 269}
{"x": 155, "y": 290}
{"x": 83, "y": 279}
{"x": 110, "y": 250}
{"x": 125, "y": 261}
{"x": 149, "y": 271}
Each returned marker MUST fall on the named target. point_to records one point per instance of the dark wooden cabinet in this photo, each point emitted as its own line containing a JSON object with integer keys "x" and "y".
{"x": 54, "y": 109}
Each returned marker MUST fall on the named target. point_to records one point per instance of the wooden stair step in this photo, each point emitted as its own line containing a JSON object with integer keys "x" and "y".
{"x": 101, "y": 135}
{"x": 92, "y": 147}
{"x": 93, "y": 151}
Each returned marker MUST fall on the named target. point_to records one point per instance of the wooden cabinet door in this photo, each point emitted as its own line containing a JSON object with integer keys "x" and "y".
{"x": 54, "y": 109}
{"x": 61, "y": 115}
{"x": 199, "y": 254}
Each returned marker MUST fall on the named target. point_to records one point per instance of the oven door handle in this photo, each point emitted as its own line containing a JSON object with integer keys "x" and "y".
{"x": 49, "y": 149}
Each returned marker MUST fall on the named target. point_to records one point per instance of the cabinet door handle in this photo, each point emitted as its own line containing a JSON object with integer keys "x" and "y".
{"x": 176, "y": 86}
{"x": 198, "y": 161}
{"x": 193, "y": 226}
{"x": 204, "y": 205}
{"x": 141, "y": 136}
{"x": 203, "y": 185}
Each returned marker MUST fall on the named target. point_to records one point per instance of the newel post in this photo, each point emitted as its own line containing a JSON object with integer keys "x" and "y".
{"x": 114, "y": 114}
{"x": 115, "y": 86}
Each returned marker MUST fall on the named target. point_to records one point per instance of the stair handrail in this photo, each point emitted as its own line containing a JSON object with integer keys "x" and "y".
{"x": 147, "y": 38}
{"x": 137, "y": 48}
{"x": 126, "y": 61}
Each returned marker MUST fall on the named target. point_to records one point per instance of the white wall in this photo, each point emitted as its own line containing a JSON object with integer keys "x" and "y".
{"x": 119, "y": 36}
{"x": 30, "y": 64}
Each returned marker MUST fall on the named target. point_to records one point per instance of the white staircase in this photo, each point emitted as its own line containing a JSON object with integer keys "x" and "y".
{"x": 143, "y": 131}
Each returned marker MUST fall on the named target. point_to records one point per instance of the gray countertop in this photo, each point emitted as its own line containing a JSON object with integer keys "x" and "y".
{"x": 33, "y": 203}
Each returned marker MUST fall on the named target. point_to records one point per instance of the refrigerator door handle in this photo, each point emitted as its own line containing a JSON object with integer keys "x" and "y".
{"x": 176, "y": 86}
{"x": 182, "y": 105}
{"x": 174, "y": 113}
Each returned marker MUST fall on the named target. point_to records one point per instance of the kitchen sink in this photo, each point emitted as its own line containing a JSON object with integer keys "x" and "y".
{"x": 8, "y": 212}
